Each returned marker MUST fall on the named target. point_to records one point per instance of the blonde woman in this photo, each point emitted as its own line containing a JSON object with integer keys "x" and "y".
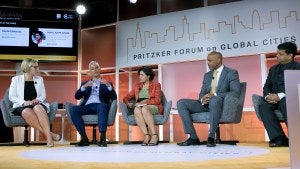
{"x": 27, "y": 92}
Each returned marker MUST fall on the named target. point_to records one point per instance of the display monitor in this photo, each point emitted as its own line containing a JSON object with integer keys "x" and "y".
{"x": 43, "y": 34}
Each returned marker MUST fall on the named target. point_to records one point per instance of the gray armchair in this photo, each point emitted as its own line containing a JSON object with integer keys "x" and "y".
{"x": 232, "y": 114}
{"x": 257, "y": 101}
{"x": 92, "y": 120}
{"x": 158, "y": 119}
{"x": 11, "y": 120}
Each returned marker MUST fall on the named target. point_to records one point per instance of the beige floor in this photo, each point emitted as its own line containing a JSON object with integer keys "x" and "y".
{"x": 277, "y": 158}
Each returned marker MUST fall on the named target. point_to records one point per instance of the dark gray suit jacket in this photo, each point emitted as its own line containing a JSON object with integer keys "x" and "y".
{"x": 229, "y": 83}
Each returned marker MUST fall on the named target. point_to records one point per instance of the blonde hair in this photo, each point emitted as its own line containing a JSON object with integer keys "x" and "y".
{"x": 27, "y": 63}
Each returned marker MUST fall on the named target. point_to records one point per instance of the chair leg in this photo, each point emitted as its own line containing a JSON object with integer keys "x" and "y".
{"x": 26, "y": 142}
{"x": 94, "y": 140}
{"x": 219, "y": 141}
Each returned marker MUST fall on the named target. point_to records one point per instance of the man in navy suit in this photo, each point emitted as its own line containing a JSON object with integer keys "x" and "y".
{"x": 274, "y": 94}
{"x": 97, "y": 94}
{"x": 217, "y": 83}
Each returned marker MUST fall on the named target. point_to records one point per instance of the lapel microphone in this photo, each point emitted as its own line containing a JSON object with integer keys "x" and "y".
{"x": 35, "y": 82}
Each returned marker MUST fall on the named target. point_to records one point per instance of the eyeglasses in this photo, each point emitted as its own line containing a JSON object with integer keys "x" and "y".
{"x": 35, "y": 67}
{"x": 94, "y": 68}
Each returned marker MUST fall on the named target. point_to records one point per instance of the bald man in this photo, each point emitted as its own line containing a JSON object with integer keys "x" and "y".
{"x": 217, "y": 83}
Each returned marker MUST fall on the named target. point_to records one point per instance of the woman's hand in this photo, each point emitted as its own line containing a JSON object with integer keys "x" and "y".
{"x": 27, "y": 103}
{"x": 130, "y": 105}
{"x": 35, "y": 101}
{"x": 142, "y": 103}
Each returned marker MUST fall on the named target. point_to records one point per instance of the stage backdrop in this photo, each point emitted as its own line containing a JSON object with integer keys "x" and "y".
{"x": 239, "y": 28}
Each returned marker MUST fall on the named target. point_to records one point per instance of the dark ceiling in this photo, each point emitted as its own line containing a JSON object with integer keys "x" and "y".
{"x": 100, "y": 12}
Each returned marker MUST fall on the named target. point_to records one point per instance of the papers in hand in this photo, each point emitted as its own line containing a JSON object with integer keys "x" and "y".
{"x": 141, "y": 105}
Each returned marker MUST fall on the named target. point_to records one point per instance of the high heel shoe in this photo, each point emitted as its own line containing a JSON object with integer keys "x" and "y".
{"x": 55, "y": 137}
{"x": 154, "y": 140}
{"x": 49, "y": 145}
{"x": 146, "y": 140}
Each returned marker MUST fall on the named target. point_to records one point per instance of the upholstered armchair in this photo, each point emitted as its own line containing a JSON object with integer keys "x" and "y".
{"x": 159, "y": 119}
{"x": 11, "y": 120}
{"x": 257, "y": 101}
{"x": 92, "y": 120}
{"x": 232, "y": 114}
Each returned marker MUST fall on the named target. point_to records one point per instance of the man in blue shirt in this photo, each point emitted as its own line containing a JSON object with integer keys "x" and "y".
{"x": 96, "y": 95}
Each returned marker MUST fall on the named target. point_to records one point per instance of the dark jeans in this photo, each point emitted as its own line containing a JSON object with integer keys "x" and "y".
{"x": 101, "y": 109}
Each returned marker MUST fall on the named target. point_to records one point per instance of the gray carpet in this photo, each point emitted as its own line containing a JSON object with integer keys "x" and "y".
{"x": 138, "y": 154}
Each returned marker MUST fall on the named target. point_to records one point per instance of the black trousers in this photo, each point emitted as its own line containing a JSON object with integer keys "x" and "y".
{"x": 270, "y": 120}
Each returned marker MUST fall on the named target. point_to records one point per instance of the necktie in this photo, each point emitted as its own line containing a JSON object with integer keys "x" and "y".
{"x": 214, "y": 82}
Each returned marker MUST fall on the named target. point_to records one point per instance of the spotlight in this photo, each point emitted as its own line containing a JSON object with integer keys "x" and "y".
{"x": 80, "y": 9}
{"x": 132, "y": 1}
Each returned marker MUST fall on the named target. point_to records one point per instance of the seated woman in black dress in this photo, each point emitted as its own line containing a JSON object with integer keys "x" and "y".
{"x": 27, "y": 92}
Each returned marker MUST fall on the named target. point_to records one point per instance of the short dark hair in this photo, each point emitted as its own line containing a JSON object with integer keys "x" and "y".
{"x": 289, "y": 47}
{"x": 40, "y": 33}
{"x": 148, "y": 71}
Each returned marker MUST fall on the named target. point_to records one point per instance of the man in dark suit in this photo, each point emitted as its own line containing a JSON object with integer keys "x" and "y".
{"x": 97, "y": 94}
{"x": 217, "y": 83}
{"x": 274, "y": 94}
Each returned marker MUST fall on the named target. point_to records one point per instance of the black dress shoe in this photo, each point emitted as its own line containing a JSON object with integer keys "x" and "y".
{"x": 211, "y": 142}
{"x": 189, "y": 142}
{"x": 271, "y": 144}
{"x": 83, "y": 142}
{"x": 281, "y": 141}
{"x": 102, "y": 143}
{"x": 279, "y": 144}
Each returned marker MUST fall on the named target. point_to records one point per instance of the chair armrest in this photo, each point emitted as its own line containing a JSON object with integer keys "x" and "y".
{"x": 6, "y": 114}
{"x": 6, "y": 108}
{"x": 257, "y": 101}
{"x": 53, "y": 109}
{"x": 68, "y": 107}
{"x": 167, "y": 110}
{"x": 125, "y": 112}
{"x": 129, "y": 118}
{"x": 112, "y": 113}
{"x": 232, "y": 109}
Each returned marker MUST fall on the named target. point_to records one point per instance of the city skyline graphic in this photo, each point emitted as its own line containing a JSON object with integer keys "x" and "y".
{"x": 205, "y": 33}
{"x": 235, "y": 29}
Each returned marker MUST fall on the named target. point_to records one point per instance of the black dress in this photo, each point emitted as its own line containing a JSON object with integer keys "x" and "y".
{"x": 29, "y": 94}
